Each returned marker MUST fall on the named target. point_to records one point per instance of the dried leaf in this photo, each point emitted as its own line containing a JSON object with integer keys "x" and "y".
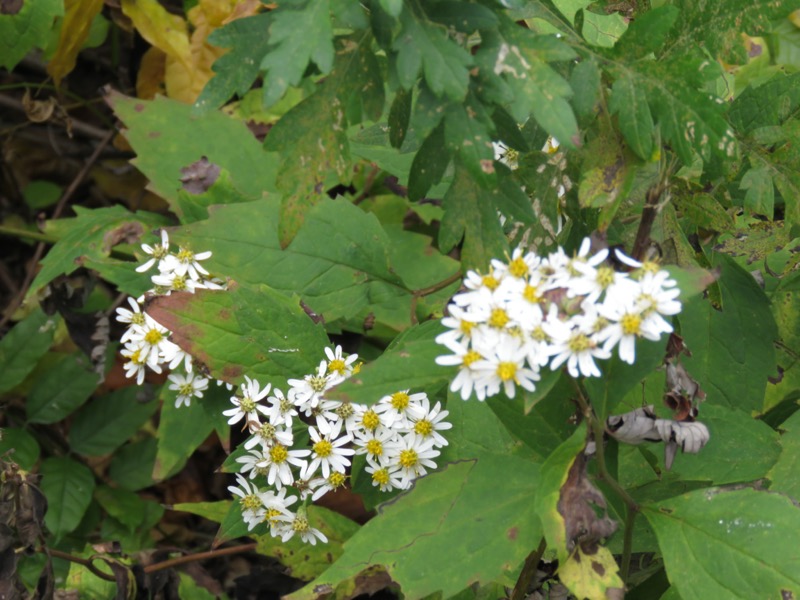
{"x": 74, "y": 32}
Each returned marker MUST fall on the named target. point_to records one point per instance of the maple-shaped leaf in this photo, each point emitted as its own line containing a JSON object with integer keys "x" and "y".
{"x": 300, "y": 33}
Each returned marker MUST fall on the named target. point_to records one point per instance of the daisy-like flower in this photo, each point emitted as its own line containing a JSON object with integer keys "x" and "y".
{"x": 519, "y": 266}
{"x": 157, "y": 253}
{"x": 468, "y": 376}
{"x": 306, "y": 393}
{"x": 575, "y": 343}
{"x": 626, "y": 324}
{"x": 249, "y": 500}
{"x": 278, "y": 460}
{"x": 172, "y": 355}
{"x": 327, "y": 452}
{"x": 187, "y": 386}
{"x": 135, "y": 316}
{"x": 503, "y": 366}
{"x": 281, "y": 409}
{"x": 368, "y": 419}
{"x": 431, "y": 422}
{"x": 268, "y": 433}
{"x": 276, "y": 504}
{"x": 376, "y": 444}
{"x": 298, "y": 525}
{"x": 414, "y": 457}
{"x": 172, "y": 281}
{"x": 338, "y": 364}
{"x": 138, "y": 361}
{"x": 186, "y": 262}
{"x": 248, "y": 407}
{"x": 150, "y": 338}
{"x": 334, "y": 482}
{"x": 324, "y": 414}
{"x": 348, "y": 414}
{"x": 461, "y": 325}
{"x": 386, "y": 478}
{"x": 254, "y": 463}
{"x": 401, "y": 406}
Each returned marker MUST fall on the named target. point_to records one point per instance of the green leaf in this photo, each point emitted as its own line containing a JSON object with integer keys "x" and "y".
{"x": 236, "y": 70}
{"x": 765, "y": 105}
{"x": 168, "y": 136}
{"x": 466, "y": 133}
{"x": 409, "y": 363}
{"x": 132, "y": 465}
{"x": 362, "y": 77}
{"x": 760, "y": 196}
{"x": 105, "y": 423}
{"x": 635, "y": 120}
{"x": 553, "y": 476}
{"x": 736, "y": 540}
{"x": 412, "y": 538}
{"x": 189, "y": 589}
{"x": 470, "y": 215}
{"x": 62, "y": 388}
{"x": 732, "y": 348}
{"x": 68, "y": 487}
{"x": 290, "y": 53}
{"x": 194, "y": 207}
{"x": 125, "y": 506}
{"x": 429, "y": 164}
{"x": 252, "y": 331}
{"x": 603, "y": 30}
{"x": 28, "y": 28}
{"x": 783, "y": 476}
{"x": 462, "y": 16}
{"x": 607, "y": 177}
{"x": 703, "y": 210}
{"x": 303, "y": 560}
{"x": 423, "y": 45}
{"x": 213, "y": 511}
{"x": 734, "y": 434}
{"x": 88, "y": 240}
{"x": 21, "y": 446}
{"x": 23, "y": 346}
{"x": 647, "y": 32}
{"x": 399, "y": 116}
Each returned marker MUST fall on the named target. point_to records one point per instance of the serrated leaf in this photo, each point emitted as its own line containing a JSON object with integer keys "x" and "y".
{"x": 290, "y": 53}
{"x": 732, "y": 348}
{"x": 603, "y": 30}
{"x": 61, "y": 389}
{"x": 23, "y": 346}
{"x": 423, "y": 45}
{"x": 635, "y": 119}
{"x": 767, "y": 104}
{"x": 736, "y": 540}
{"x": 466, "y": 133}
{"x": 408, "y": 363}
{"x": 167, "y": 136}
{"x": 553, "y": 476}
{"x": 470, "y": 215}
{"x": 647, "y": 32}
{"x": 26, "y": 29}
{"x": 88, "y": 240}
{"x": 783, "y": 475}
{"x": 104, "y": 424}
{"x": 235, "y": 71}
{"x": 703, "y": 210}
{"x": 302, "y": 560}
{"x": 68, "y": 487}
{"x": 412, "y": 537}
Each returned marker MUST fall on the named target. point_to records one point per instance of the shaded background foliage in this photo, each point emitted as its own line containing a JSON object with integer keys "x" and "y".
{"x": 682, "y": 115}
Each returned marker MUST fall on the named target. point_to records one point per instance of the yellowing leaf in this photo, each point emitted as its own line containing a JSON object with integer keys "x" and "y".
{"x": 150, "y": 79}
{"x": 74, "y": 31}
{"x": 166, "y": 32}
{"x": 592, "y": 576}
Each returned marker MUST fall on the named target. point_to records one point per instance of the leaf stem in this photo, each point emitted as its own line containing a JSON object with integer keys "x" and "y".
{"x": 427, "y": 291}
{"x": 528, "y": 572}
{"x": 182, "y": 560}
{"x": 86, "y": 562}
{"x": 26, "y": 234}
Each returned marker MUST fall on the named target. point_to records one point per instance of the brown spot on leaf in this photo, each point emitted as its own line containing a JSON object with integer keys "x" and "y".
{"x": 138, "y": 107}
{"x": 787, "y": 595}
{"x": 224, "y": 314}
{"x": 232, "y": 372}
{"x": 487, "y": 166}
{"x": 154, "y": 134}
{"x": 127, "y": 233}
{"x": 10, "y": 7}
{"x": 317, "y": 318}
{"x": 512, "y": 533}
{"x": 166, "y": 310}
{"x": 199, "y": 176}
{"x": 755, "y": 50}
{"x": 598, "y": 568}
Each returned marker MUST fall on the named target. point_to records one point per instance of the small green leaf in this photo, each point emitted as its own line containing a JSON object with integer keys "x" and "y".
{"x": 28, "y": 28}
{"x": 125, "y": 506}
{"x": 783, "y": 476}
{"x": 736, "y": 540}
{"x": 21, "y": 446}
{"x": 68, "y": 487}
{"x": 62, "y": 388}
{"x": 132, "y": 465}
{"x": 462, "y": 16}
{"x": 290, "y": 53}
{"x": 23, "y": 346}
{"x": 105, "y": 423}
{"x": 213, "y": 511}
{"x": 635, "y": 120}
{"x": 399, "y": 115}
{"x": 189, "y": 589}
{"x": 603, "y": 30}
{"x": 648, "y": 31}
{"x": 429, "y": 164}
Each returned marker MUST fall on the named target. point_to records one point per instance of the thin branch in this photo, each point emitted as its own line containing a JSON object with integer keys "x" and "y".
{"x": 427, "y": 291}
{"x": 188, "y": 558}
{"x": 528, "y": 572}
{"x": 86, "y": 562}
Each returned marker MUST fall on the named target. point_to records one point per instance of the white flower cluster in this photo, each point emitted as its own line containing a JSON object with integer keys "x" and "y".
{"x": 145, "y": 342}
{"x": 532, "y": 311}
{"x": 399, "y": 435}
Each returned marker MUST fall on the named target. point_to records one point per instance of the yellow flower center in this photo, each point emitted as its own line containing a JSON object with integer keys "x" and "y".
{"x": 506, "y": 371}
{"x": 271, "y": 515}
{"x": 185, "y": 255}
{"x": 374, "y": 447}
{"x": 370, "y": 420}
{"x": 345, "y": 411}
{"x": 336, "y": 480}
{"x": 490, "y": 282}
{"x": 499, "y": 318}
{"x": 400, "y": 400}
{"x": 518, "y": 267}
{"x": 381, "y": 476}
{"x": 631, "y": 324}
{"x": 531, "y": 294}
{"x": 137, "y": 318}
{"x": 153, "y": 336}
{"x": 186, "y": 389}
{"x": 251, "y": 502}
{"x": 266, "y": 431}
{"x": 179, "y": 283}
{"x": 278, "y": 454}
{"x": 408, "y": 458}
{"x": 338, "y": 365}
{"x": 247, "y": 405}
{"x": 317, "y": 383}
{"x": 605, "y": 277}
{"x": 539, "y": 334}
{"x": 300, "y": 524}
{"x": 470, "y": 357}
{"x": 323, "y": 448}
{"x": 466, "y": 327}
{"x": 579, "y": 343}
{"x": 136, "y": 357}
{"x": 423, "y": 427}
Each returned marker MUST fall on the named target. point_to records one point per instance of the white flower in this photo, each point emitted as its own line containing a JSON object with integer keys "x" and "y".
{"x": 138, "y": 361}
{"x": 334, "y": 481}
{"x": 250, "y": 463}
{"x": 431, "y": 422}
{"x": 268, "y": 434}
{"x": 186, "y": 262}
{"x": 278, "y": 460}
{"x": 135, "y": 316}
{"x": 376, "y": 444}
{"x": 187, "y": 386}
{"x": 298, "y": 524}
{"x": 337, "y": 364}
{"x": 156, "y": 253}
{"x": 369, "y": 419}
{"x": 281, "y": 410}
{"x": 248, "y": 405}
{"x": 386, "y": 478}
{"x": 627, "y": 322}
{"x": 306, "y": 393}
{"x": 400, "y": 407}
{"x": 503, "y": 366}
{"x": 327, "y": 452}
{"x": 150, "y": 338}
{"x": 413, "y": 456}
{"x": 575, "y": 343}
{"x": 466, "y": 359}
{"x": 175, "y": 282}
{"x": 250, "y": 501}
{"x": 324, "y": 414}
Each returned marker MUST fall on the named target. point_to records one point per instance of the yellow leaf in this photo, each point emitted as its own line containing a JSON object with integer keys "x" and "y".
{"x": 150, "y": 78}
{"x": 593, "y": 576}
{"x": 169, "y": 33}
{"x": 794, "y": 17}
{"x": 74, "y": 31}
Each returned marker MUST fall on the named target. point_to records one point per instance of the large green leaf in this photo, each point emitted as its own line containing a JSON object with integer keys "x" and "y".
{"x": 784, "y": 474}
{"x": 65, "y": 384}
{"x": 104, "y": 424}
{"x": 253, "y": 331}
{"x": 28, "y": 28}
{"x": 728, "y": 544}
{"x": 732, "y": 348}
{"x": 132, "y": 465}
{"x": 168, "y": 136}
{"x": 23, "y": 346}
{"x": 68, "y": 487}
{"x": 413, "y": 537}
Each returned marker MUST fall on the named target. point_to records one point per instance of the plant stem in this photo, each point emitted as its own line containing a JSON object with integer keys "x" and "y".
{"x": 181, "y": 560}
{"x": 528, "y": 572}
{"x": 86, "y": 562}
{"x": 432, "y": 289}
{"x": 26, "y": 234}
